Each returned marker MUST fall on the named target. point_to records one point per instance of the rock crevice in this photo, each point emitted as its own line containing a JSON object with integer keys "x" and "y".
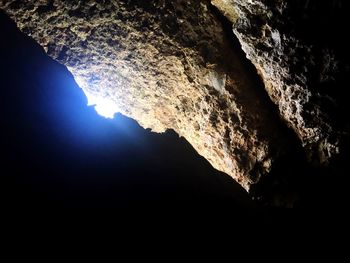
{"x": 291, "y": 45}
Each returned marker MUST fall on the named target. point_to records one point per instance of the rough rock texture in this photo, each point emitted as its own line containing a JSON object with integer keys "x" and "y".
{"x": 293, "y": 45}
{"x": 171, "y": 65}
{"x": 166, "y": 64}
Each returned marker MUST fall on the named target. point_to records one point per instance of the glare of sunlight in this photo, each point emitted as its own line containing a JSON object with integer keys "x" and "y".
{"x": 104, "y": 106}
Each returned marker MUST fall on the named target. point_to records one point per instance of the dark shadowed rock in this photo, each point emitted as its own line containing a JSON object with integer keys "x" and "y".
{"x": 299, "y": 51}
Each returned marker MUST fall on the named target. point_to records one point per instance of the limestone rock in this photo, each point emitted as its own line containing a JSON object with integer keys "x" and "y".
{"x": 294, "y": 50}
{"x": 168, "y": 65}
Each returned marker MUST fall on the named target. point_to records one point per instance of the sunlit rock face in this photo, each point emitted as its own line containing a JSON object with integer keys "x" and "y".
{"x": 293, "y": 45}
{"x": 168, "y": 65}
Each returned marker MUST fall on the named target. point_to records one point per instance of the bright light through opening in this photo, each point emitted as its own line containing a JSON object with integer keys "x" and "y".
{"x": 105, "y": 107}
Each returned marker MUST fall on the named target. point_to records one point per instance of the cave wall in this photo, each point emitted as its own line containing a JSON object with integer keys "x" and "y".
{"x": 171, "y": 65}
{"x": 299, "y": 52}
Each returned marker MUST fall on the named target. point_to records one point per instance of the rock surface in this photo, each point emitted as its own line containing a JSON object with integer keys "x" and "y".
{"x": 293, "y": 45}
{"x": 171, "y": 65}
{"x": 166, "y": 64}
